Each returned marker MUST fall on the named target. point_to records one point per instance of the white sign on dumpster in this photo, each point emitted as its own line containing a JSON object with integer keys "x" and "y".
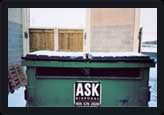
{"x": 87, "y": 93}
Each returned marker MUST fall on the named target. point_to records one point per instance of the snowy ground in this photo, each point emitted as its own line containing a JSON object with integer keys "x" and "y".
{"x": 153, "y": 89}
{"x": 17, "y": 98}
{"x": 149, "y": 48}
{"x": 152, "y": 52}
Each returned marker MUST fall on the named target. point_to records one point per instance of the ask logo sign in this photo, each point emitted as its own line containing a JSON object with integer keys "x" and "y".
{"x": 87, "y": 93}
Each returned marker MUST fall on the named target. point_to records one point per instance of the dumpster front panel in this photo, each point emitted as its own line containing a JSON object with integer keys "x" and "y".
{"x": 60, "y": 92}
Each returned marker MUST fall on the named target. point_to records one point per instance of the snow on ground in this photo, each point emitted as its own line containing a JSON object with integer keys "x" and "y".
{"x": 153, "y": 89}
{"x": 149, "y": 48}
{"x": 17, "y": 98}
{"x": 152, "y": 52}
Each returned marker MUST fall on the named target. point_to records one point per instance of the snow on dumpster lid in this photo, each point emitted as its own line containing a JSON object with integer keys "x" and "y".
{"x": 116, "y": 54}
{"x": 118, "y": 57}
{"x": 54, "y": 53}
{"x": 93, "y": 54}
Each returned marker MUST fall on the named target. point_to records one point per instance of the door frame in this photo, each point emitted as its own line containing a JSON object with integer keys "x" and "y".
{"x": 26, "y": 25}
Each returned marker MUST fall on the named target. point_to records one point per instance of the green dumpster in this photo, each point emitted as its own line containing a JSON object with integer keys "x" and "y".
{"x": 60, "y": 79}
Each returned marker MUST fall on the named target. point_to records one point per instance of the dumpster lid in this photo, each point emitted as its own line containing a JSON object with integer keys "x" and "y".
{"x": 53, "y": 55}
{"x": 119, "y": 56}
{"x": 92, "y": 56}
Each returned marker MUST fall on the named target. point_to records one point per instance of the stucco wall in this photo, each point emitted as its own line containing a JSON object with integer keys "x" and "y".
{"x": 112, "y": 29}
{"x": 15, "y": 40}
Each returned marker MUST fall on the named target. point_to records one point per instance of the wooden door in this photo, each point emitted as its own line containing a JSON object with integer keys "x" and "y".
{"x": 41, "y": 39}
{"x": 70, "y": 40}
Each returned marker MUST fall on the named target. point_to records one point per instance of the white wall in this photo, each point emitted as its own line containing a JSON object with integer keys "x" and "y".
{"x": 149, "y": 23}
{"x": 58, "y": 17}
